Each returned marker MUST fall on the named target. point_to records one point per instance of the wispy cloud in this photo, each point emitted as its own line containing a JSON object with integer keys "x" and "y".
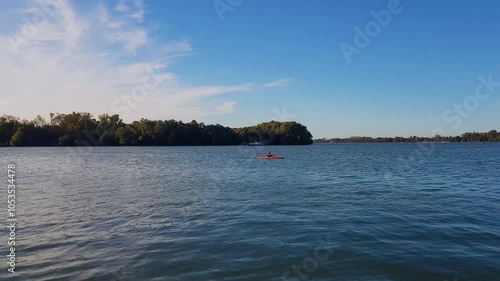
{"x": 225, "y": 107}
{"x": 208, "y": 91}
{"x": 130, "y": 40}
{"x": 84, "y": 61}
{"x": 135, "y": 9}
{"x": 278, "y": 83}
{"x": 121, "y": 6}
{"x": 140, "y": 10}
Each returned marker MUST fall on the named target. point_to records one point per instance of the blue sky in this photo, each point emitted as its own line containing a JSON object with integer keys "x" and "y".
{"x": 242, "y": 62}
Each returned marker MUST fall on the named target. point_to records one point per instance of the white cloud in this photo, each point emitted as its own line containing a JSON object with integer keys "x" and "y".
{"x": 103, "y": 13}
{"x": 121, "y": 6}
{"x": 75, "y": 61}
{"x": 139, "y": 13}
{"x": 278, "y": 83}
{"x": 134, "y": 8}
{"x": 131, "y": 40}
{"x": 225, "y": 107}
{"x": 194, "y": 93}
{"x": 115, "y": 24}
{"x": 182, "y": 46}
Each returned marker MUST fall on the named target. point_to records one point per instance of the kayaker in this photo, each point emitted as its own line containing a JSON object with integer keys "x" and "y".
{"x": 269, "y": 154}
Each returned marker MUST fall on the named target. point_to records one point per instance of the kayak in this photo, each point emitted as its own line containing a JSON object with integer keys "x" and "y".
{"x": 270, "y": 157}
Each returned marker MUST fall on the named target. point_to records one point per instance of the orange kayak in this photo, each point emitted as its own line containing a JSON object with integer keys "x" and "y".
{"x": 270, "y": 157}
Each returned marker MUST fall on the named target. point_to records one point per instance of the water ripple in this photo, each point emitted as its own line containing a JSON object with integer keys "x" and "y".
{"x": 185, "y": 213}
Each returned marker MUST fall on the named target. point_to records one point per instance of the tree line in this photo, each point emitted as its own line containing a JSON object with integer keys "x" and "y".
{"x": 82, "y": 129}
{"x": 491, "y": 136}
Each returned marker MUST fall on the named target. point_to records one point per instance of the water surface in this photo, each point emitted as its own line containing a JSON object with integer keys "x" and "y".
{"x": 325, "y": 212}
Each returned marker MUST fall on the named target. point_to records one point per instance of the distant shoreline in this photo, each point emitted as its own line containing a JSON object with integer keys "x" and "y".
{"x": 491, "y": 136}
{"x": 442, "y": 142}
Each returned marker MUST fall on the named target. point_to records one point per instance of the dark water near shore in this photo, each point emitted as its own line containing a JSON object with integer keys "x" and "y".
{"x": 325, "y": 212}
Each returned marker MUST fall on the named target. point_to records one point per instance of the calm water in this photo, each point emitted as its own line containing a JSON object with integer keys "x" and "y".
{"x": 325, "y": 212}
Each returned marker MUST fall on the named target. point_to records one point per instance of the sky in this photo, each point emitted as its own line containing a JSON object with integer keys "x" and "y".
{"x": 342, "y": 68}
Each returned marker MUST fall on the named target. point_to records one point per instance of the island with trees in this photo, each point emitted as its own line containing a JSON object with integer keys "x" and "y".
{"x": 82, "y": 129}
